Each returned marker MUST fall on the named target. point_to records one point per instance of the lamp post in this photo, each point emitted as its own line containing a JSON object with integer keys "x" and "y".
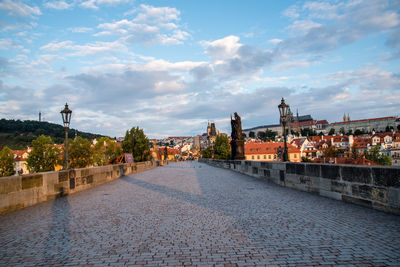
{"x": 66, "y": 116}
{"x": 284, "y": 118}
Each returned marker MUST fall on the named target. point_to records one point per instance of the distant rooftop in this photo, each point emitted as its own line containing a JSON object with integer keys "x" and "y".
{"x": 373, "y": 119}
{"x": 302, "y": 118}
{"x": 263, "y": 126}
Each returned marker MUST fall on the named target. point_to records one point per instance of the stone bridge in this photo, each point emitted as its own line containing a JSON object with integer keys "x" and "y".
{"x": 190, "y": 213}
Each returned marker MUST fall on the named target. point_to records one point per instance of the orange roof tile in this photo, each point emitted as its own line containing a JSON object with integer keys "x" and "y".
{"x": 267, "y": 148}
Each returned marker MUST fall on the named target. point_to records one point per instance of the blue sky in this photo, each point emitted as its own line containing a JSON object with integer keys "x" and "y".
{"x": 171, "y": 66}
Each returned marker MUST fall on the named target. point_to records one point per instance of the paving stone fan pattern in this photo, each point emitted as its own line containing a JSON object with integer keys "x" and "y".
{"x": 190, "y": 213}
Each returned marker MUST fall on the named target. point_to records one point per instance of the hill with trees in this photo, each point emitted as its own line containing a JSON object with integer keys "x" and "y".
{"x": 17, "y": 134}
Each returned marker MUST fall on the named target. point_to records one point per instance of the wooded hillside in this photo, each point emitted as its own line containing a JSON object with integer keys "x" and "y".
{"x": 17, "y": 134}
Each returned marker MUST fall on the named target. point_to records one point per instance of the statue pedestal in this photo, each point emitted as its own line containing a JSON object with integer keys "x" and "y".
{"x": 237, "y": 147}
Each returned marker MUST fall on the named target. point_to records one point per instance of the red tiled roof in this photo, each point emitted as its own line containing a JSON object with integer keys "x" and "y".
{"x": 303, "y": 123}
{"x": 267, "y": 148}
{"x": 382, "y": 135}
{"x": 18, "y": 154}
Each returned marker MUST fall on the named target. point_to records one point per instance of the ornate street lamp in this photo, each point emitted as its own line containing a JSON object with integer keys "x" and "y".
{"x": 284, "y": 118}
{"x": 66, "y": 116}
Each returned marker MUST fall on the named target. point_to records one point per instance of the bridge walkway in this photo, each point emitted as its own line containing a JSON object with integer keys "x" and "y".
{"x": 189, "y": 213}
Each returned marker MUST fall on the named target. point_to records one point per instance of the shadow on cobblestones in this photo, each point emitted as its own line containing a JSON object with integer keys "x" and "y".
{"x": 58, "y": 244}
{"x": 284, "y": 225}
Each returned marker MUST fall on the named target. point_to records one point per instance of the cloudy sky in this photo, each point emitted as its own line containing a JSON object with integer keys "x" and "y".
{"x": 170, "y": 66}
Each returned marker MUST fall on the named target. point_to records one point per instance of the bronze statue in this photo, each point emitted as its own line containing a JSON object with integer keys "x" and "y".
{"x": 237, "y": 142}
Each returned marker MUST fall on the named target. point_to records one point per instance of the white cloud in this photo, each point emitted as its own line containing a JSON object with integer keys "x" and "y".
{"x": 322, "y": 10}
{"x": 80, "y": 29}
{"x": 59, "y": 5}
{"x": 224, "y": 48}
{"x": 151, "y": 25}
{"x": 6, "y": 44}
{"x": 86, "y": 49}
{"x": 55, "y": 46}
{"x": 94, "y": 4}
{"x": 230, "y": 57}
{"x": 17, "y": 8}
{"x": 303, "y": 26}
{"x": 275, "y": 41}
{"x": 292, "y": 65}
{"x": 156, "y": 15}
{"x": 344, "y": 23}
{"x": 292, "y": 12}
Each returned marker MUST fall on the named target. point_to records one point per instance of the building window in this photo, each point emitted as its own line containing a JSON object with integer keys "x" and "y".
{"x": 269, "y": 156}
{"x": 265, "y": 156}
{"x": 295, "y": 156}
{"x": 275, "y": 156}
{"x": 258, "y": 156}
{"x": 252, "y": 157}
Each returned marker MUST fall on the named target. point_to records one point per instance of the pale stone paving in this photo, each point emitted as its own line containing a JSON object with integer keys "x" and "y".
{"x": 192, "y": 214}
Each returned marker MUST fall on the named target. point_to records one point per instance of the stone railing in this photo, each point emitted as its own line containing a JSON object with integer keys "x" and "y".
{"x": 376, "y": 187}
{"x": 17, "y": 192}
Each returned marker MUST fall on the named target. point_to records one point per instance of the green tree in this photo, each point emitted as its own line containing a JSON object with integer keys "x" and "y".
{"x": 105, "y": 150}
{"x": 305, "y": 159}
{"x": 206, "y": 153}
{"x": 359, "y": 132}
{"x": 330, "y": 152}
{"x": 252, "y": 135}
{"x": 6, "y": 162}
{"x": 222, "y": 147}
{"x": 354, "y": 152}
{"x": 331, "y": 131}
{"x": 376, "y": 156}
{"x": 43, "y": 156}
{"x": 136, "y": 143}
{"x": 342, "y": 131}
{"x": 270, "y": 135}
{"x": 80, "y": 153}
{"x": 308, "y": 132}
{"x": 261, "y": 135}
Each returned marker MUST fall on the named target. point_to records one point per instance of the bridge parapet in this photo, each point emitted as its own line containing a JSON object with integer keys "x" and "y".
{"x": 17, "y": 192}
{"x": 375, "y": 187}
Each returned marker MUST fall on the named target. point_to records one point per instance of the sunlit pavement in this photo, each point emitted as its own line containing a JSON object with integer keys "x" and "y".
{"x": 189, "y": 213}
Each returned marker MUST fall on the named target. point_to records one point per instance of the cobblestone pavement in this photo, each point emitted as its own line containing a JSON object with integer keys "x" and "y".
{"x": 193, "y": 214}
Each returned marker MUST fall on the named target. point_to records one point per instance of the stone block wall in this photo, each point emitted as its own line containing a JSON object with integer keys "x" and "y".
{"x": 376, "y": 187}
{"x": 17, "y": 192}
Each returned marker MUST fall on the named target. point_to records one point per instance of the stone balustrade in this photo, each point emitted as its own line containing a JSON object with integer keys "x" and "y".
{"x": 17, "y": 192}
{"x": 376, "y": 187}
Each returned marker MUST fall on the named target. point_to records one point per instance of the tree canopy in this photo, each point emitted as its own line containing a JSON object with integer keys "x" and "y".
{"x": 18, "y": 134}
{"x": 376, "y": 156}
{"x": 206, "y": 153}
{"x": 222, "y": 147}
{"x": 6, "y": 162}
{"x": 80, "y": 153}
{"x": 43, "y": 156}
{"x": 105, "y": 150}
{"x": 137, "y": 144}
{"x": 330, "y": 152}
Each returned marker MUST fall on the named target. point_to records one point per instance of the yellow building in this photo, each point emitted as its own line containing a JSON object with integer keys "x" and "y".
{"x": 268, "y": 151}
